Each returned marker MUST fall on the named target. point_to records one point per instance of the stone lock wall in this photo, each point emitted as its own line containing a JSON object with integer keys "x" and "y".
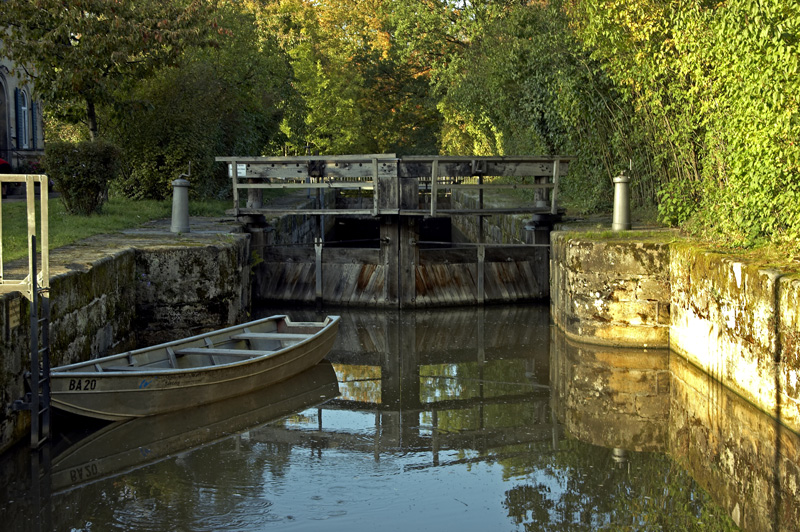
{"x": 734, "y": 320}
{"x": 740, "y": 323}
{"x": 610, "y": 291}
{"x": 182, "y": 291}
{"x": 733, "y": 420}
{"x": 92, "y": 309}
{"x": 112, "y": 293}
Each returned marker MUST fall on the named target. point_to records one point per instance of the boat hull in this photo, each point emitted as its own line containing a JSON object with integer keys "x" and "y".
{"x": 116, "y": 395}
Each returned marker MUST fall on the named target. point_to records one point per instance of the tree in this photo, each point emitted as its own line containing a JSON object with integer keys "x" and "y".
{"x": 715, "y": 86}
{"x": 82, "y": 51}
{"x": 513, "y": 78}
{"x": 227, "y": 100}
{"x": 361, "y": 92}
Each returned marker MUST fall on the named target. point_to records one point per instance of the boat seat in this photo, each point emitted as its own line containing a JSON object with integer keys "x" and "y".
{"x": 271, "y": 336}
{"x": 121, "y": 368}
{"x": 244, "y": 353}
{"x": 173, "y": 362}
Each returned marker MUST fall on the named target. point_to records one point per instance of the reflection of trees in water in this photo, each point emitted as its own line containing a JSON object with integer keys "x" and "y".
{"x": 582, "y": 487}
{"x": 359, "y": 383}
{"x": 467, "y": 380}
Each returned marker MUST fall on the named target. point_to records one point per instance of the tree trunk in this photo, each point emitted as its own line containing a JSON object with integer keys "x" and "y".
{"x": 91, "y": 118}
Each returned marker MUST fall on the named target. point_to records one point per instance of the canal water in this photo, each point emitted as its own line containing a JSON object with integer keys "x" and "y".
{"x": 454, "y": 419}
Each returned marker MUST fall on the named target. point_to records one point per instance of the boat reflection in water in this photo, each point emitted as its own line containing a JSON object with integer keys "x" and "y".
{"x": 57, "y": 493}
{"x": 126, "y": 445}
{"x": 476, "y": 419}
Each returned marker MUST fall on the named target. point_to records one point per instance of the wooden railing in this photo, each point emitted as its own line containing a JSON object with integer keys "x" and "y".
{"x": 410, "y": 185}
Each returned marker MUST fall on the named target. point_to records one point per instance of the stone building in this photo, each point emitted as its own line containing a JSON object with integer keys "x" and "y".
{"x": 21, "y": 121}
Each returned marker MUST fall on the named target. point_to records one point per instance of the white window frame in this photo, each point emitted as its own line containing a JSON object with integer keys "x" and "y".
{"x": 23, "y": 109}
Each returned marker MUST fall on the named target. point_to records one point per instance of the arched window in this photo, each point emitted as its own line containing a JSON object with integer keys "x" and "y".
{"x": 24, "y": 119}
{"x": 21, "y": 101}
{"x": 5, "y": 114}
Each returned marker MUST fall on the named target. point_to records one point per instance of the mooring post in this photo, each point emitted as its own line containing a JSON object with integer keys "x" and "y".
{"x": 318, "y": 270}
{"x": 622, "y": 207}
{"x": 481, "y": 273}
{"x": 180, "y": 205}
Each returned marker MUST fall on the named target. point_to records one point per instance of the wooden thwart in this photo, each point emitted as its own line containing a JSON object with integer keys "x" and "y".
{"x": 270, "y": 336}
{"x": 244, "y": 353}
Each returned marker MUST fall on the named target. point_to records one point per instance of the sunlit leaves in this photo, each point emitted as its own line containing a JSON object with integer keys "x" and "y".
{"x": 361, "y": 91}
{"x": 717, "y": 85}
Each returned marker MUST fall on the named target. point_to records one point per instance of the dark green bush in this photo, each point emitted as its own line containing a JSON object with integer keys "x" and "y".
{"x": 81, "y": 173}
{"x": 226, "y": 101}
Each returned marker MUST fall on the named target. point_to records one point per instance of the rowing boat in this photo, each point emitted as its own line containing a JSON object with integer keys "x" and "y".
{"x": 192, "y": 371}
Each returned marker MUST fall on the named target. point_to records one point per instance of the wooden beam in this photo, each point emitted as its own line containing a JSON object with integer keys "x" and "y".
{"x": 244, "y": 353}
{"x": 271, "y": 336}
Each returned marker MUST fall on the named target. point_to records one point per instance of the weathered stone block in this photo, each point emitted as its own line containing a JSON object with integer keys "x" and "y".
{"x": 609, "y": 291}
{"x": 652, "y": 406}
{"x": 651, "y": 289}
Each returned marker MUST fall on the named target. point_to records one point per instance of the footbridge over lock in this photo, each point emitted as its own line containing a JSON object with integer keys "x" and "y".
{"x": 386, "y": 231}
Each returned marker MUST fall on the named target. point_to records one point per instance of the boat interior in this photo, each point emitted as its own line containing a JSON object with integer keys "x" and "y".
{"x": 205, "y": 350}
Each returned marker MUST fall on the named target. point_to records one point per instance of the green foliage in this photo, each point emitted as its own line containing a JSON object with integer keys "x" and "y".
{"x": 518, "y": 81}
{"x": 225, "y": 101}
{"x": 715, "y": 87}
{"x": 678, "y": 200}
{"x": 360, "y": 91}
{"x": 700, "y": 98}
{"x": 581, "y": 488}
{"x": 81, "y": 173}
{"x": 78, "y": 54}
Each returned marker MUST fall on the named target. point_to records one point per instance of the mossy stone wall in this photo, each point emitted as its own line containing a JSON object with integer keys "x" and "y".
{"x": 116, "y": 292}
{"x": 737, "y": 321}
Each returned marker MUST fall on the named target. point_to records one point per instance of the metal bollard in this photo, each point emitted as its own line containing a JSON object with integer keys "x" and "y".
{"x": 622, "y": 206}
{"x": 180, "y": 206}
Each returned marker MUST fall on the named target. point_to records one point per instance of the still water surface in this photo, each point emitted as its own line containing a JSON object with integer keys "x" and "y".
{"x": 463, "y": 419}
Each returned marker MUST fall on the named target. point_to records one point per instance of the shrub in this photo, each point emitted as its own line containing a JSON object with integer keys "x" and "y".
{"x": 81, "y": 172}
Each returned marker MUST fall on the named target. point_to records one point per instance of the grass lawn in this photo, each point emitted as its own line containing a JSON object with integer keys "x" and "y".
{"x": 117, "y": 214}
